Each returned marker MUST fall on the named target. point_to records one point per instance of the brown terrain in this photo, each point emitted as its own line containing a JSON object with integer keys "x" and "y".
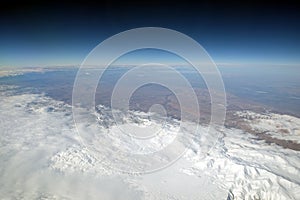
{"x": 146, "y": 96}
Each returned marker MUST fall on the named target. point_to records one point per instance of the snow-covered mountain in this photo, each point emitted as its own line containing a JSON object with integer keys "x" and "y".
{"x": 43, "y": 157}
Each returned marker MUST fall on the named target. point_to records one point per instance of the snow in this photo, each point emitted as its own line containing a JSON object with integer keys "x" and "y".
{"x": 278, "y": 126}
{"x": 249, "y": 168}
{"x": 42, "y": 156}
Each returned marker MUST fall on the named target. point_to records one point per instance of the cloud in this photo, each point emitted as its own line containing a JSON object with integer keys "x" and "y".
{"x": 34, "y": 129}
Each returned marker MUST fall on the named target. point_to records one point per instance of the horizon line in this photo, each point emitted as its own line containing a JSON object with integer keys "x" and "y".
{"x": 218, "y": 64}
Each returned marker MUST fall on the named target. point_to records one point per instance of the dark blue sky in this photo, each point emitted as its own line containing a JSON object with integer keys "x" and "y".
{"x": 61, "y": 33}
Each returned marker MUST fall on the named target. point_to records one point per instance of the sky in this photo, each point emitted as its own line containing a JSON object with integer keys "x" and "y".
{"x": 63, "y": 33}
